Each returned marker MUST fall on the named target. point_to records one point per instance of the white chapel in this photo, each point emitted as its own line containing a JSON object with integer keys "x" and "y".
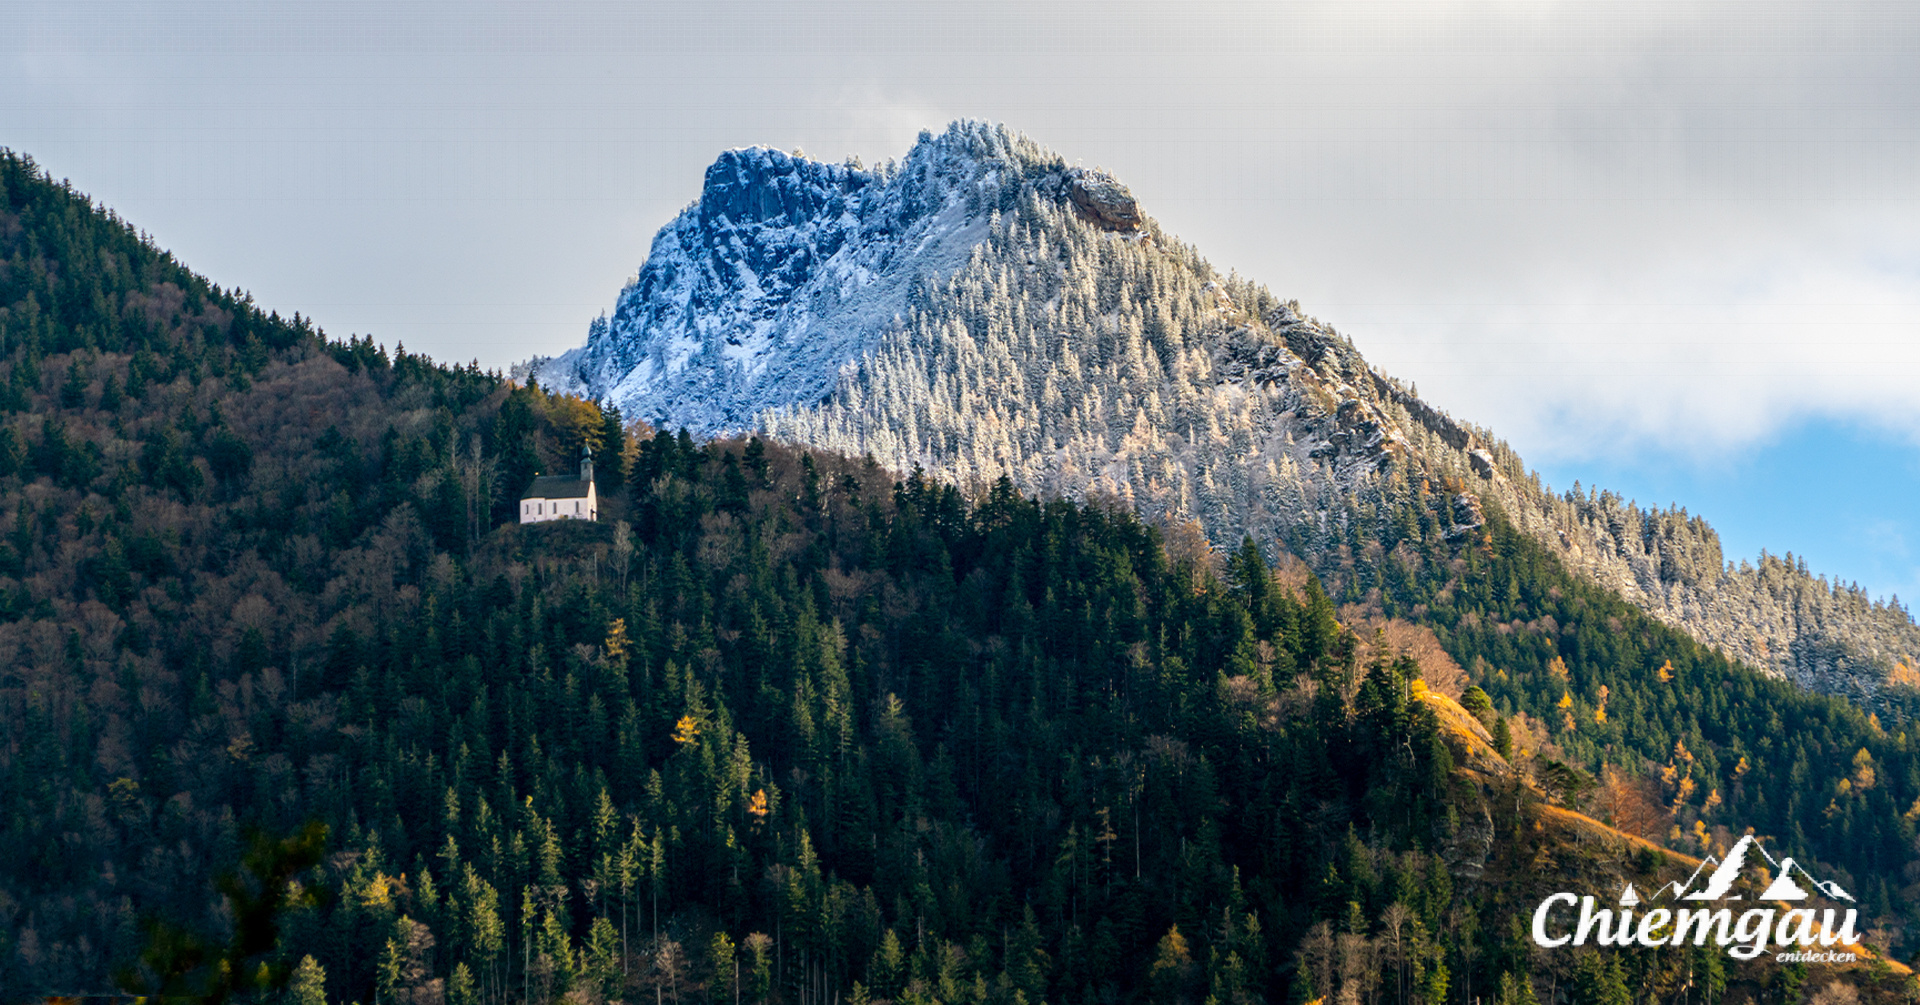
{"x": 562, "y": 497}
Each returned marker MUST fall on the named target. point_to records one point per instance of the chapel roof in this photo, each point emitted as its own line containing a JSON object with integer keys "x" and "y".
{"x": 557, "y": 487}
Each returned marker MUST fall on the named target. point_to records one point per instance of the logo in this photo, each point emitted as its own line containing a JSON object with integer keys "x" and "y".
{"x": 1778, "y": 920}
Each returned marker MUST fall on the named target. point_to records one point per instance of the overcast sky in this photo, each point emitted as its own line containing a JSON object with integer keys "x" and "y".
{"x": 1670, "y": 246}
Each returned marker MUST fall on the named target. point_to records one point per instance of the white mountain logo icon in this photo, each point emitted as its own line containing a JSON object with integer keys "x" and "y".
{"x": 1727, "y": 870}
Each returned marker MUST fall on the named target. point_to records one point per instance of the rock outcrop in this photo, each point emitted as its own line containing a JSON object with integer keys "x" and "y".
{"x": 1102, "y": 200}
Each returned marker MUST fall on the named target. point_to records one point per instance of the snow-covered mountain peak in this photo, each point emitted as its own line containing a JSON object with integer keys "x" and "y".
{"x": 759, "y": 186}
{"x": 785, "y": 270}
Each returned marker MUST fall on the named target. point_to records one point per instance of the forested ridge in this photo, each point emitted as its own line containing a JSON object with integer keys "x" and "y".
{"x": 788, "y": 726}
{"x": 1601, "y": 686}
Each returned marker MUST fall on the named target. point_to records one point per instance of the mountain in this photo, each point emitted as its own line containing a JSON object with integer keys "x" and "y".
{"x": 981, "y": 309}
{"x": 292, "y": 708}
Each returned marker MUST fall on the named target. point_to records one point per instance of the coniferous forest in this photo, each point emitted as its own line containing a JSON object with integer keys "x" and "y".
{"x": 291, "y": 709}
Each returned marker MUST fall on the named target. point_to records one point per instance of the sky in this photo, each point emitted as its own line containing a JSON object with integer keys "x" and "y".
{"x": 1670, "y": 248}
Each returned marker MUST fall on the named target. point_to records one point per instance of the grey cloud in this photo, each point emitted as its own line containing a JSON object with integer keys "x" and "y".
{"x": 1590, "y": 225}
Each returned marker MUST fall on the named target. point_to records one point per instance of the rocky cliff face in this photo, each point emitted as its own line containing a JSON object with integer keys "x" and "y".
{"x": 1102, "y": 200}
{"x": 982, "y": 309}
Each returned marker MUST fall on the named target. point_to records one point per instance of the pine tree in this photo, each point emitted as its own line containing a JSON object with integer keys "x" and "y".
{"x": 308, "y": 985}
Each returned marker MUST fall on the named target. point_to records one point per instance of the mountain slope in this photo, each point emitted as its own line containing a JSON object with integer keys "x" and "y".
{"x": 863, "y": 738}
{"x": 195, "y": 497}
{"x": 983, "y": 309}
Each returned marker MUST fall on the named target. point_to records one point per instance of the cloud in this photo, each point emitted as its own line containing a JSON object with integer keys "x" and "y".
{"x": 1599, "y": 229}
{"x": 1700, "y": 346}
{"x": 1593, "y": 226}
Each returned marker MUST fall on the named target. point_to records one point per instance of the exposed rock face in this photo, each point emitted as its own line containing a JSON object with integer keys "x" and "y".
{"x": 1482, "y": 463}
{"x": 973, "y": 311}
{"x": 1102, "y": 200}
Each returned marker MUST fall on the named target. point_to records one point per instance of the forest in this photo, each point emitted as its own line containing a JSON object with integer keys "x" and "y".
{"x": 291, "y": 709}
